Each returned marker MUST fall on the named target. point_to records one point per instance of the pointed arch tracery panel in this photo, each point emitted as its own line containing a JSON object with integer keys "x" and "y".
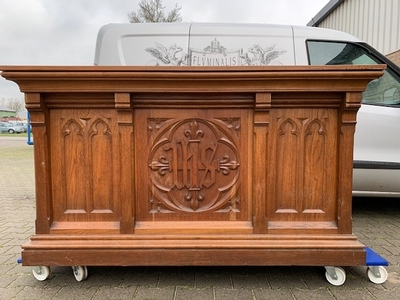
{"x": 73, "y": 142}
{"x": 286, "y": 159}
{"x": 315, "y": 161}
{"x": 84, "y": 164}
{"x": 100, "y": 141}
{"x": 299, "y": 186}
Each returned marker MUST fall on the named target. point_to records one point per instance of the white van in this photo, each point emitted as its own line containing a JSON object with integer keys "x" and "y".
{"x": 377, "y": 139}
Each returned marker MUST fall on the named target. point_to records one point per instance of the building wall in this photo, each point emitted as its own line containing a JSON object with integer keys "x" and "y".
{"x": 375, "y": 21}
{"x": 395, "y": 57}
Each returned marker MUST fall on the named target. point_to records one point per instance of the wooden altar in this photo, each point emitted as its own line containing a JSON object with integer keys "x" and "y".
{"x": 193, "y": 166}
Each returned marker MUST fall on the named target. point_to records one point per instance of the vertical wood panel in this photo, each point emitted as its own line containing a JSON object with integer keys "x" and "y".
{"x": 83, "y": 163}
{"x": 101, "y": 154}
{"x": 315, "y": 161}
{"x": 301, "y": 141}
{"x": 287, "y": 165}
{"x": 75, "y": 168}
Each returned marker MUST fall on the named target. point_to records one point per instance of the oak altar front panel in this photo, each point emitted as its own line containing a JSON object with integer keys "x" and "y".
{"x": 84, "y": 164}
{"x": 192, "y": 164}
{"x": 302, "y": 147}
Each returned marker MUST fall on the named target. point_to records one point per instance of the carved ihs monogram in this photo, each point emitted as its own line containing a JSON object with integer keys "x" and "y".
{"x": 194, "y": 167}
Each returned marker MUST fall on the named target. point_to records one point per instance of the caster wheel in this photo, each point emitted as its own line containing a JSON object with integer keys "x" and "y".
{"x": 377, "y": 275}
{"x": 340, "y": 276}
{"x": 41, "y": 273}
{"x": 80, "y": 272}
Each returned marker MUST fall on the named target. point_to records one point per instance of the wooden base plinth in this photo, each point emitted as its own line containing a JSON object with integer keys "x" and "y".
{"x": 131, "y": 250}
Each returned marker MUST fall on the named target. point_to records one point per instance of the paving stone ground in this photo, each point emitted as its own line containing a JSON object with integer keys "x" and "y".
{"x": 376, "y": 224}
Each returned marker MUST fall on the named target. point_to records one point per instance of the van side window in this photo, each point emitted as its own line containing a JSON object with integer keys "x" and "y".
{"x": 383, "y": 91}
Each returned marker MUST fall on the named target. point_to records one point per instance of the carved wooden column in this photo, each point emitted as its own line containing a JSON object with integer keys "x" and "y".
{"x": 348, "y": 121}
{"x": 126, "y": 155}
{"x": 37, "y": 107}
{"x": 260, "y": 164}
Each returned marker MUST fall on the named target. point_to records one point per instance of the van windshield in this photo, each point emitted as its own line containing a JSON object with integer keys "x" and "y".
{"x": 382, "y": 91}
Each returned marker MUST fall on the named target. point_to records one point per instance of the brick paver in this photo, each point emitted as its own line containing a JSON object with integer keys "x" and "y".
{"x": 376, "y": 224}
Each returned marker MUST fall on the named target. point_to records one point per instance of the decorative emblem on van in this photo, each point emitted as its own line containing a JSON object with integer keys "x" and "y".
{"x": 215, "y": 48}
{"x": 172, "y": 56}
{"x": 214, "y": 55}
{"x": 260, "y": 56}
